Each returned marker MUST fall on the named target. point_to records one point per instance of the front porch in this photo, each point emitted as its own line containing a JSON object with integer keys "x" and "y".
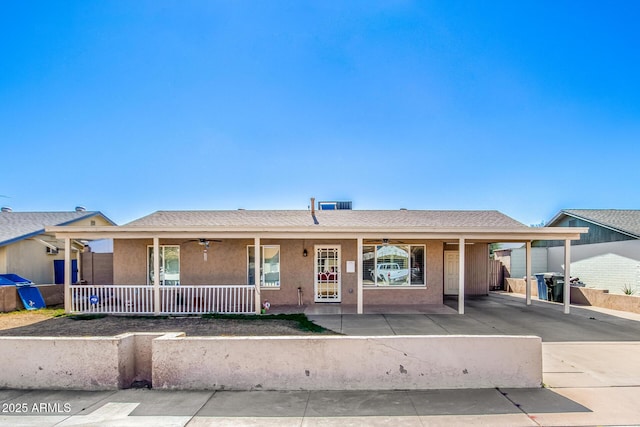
{"x": 174, "y": 263}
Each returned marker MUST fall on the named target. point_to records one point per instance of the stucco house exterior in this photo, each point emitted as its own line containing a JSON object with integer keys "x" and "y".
{"x": 28, "y": 250}
{"x": 336, "y": 256}
{"x": 608, "y": 256}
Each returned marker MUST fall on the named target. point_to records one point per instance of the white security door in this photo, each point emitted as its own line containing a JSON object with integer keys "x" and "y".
{"x": 327, "y": 274}
{"x": 451, "y": 272}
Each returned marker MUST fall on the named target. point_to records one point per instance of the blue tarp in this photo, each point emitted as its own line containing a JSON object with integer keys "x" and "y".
{"x": 6, "y": 282}
{"x": 31, "y": 297}
{"x": 14, "y": 279}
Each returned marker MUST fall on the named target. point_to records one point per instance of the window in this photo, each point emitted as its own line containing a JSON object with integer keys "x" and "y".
{"x": 269, "y": 269}
{"x": 169, "y": 265}
{"x": 393, "y": 265}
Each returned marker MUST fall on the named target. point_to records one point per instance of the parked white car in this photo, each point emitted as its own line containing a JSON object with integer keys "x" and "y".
{"x": 389, "y": 272}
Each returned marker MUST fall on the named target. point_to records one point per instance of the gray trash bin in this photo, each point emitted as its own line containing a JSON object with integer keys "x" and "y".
{"x": 555, "y": 283}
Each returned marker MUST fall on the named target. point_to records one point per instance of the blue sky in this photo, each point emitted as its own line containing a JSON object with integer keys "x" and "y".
{"x": 129, "y": 107}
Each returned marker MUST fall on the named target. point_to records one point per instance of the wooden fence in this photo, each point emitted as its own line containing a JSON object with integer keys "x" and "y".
{"x": 496, "y": 275}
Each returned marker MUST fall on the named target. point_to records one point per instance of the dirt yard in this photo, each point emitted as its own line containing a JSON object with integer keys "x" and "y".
{"x": 43, "y": 323}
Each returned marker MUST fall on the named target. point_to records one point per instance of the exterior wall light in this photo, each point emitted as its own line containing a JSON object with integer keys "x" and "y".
{"x": 304, "y": 252}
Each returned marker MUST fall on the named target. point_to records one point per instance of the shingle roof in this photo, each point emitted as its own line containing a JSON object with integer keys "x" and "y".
{"x": 16, "y": 226}
{"x": 627, "y": 221}
{"x": 334, "y": 218}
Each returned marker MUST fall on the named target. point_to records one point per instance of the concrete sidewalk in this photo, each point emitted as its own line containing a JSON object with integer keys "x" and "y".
{"x": 591, "y": 364}
{"x": 509, "y": 407}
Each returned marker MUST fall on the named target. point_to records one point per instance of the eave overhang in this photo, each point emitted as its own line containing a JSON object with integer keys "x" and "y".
{"x": 521, "y": 234}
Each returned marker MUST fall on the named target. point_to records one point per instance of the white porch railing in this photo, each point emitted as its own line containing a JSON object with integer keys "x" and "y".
{"x": 207, "y": 299}
{"x": 138, "y": 299}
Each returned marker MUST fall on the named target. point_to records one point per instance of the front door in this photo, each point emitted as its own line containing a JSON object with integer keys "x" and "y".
{"x": 451, "y": 272}
{"x": 327, "y": 274}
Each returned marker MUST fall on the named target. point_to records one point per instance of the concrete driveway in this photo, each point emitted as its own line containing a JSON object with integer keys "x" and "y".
{"x": 496, "y": 314}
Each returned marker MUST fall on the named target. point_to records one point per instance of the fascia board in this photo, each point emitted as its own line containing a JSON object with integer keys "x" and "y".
{"x": 551, "y": 233}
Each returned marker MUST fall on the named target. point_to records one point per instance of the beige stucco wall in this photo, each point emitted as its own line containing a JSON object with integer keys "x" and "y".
{"x": 3, "y": 260}
{"x": 227, "y": 265}
{"x": 29, "y": 259}
{"x": 346, "y": 363}
{"x": 103, "y": 363}
{"x": 174, "y": 361}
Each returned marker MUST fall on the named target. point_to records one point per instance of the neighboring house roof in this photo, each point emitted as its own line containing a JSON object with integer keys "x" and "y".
{"x": 332, "y": 218}
{"x": 625, "y": 221}
{"x": 16, "y": 226}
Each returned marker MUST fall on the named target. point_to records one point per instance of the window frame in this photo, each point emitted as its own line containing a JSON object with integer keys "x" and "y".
{"x": 162, "y": 264}
{"x": 373, "y": 283}
{"x": 262, "y": 273}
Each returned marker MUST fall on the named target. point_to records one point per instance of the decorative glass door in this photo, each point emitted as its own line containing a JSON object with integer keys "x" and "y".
{"x": 327, "y": 274}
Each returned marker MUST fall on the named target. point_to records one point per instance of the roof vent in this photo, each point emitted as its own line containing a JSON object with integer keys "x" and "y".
{"x": 81, "y": 209}
{"x": 6, "y": 209}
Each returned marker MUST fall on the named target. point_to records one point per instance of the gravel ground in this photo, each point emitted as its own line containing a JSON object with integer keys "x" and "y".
{"x": 36, "y": 324}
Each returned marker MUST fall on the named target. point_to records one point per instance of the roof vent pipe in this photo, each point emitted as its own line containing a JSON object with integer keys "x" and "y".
{"x": 6, "y": 209}
{"x": 313, "y": 206}
{"x": 81, "y": 209}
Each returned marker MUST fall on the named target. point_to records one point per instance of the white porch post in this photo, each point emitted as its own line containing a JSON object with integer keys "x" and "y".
{"x": 527, "y": 279}
{"x": 79, "y": 258}
{"x": 156, "y": 275}
{"x": 67, "y": 275}
{"x": 461, "y": 276}
{"x": 359, "y": 273}
{"x": 256, "y": 273}
{"x": 567, "y": 276}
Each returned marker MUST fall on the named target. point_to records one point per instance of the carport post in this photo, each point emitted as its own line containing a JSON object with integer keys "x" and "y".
{"x": 256, "y": 272}
{"x": 67, "y": 275}
{"x": 156, "y": 275}
{"x": 461, "y": 276}
{"x": 527, "y": 279}
{"x": 567, "y": 276}
{"x": 359, "y": 272}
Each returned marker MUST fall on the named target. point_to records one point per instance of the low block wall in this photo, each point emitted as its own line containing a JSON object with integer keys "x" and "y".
{"x": 52, "y": 294}
{"x": 104, "y": 363}
{"x": 77, "y": 363}
{"x": 519, "y": 286}
{"x": 172, "y": 361}
{"x": 346, "y": 363}
{"x": 10, "y": 301}
{"x": 602, "y": 298}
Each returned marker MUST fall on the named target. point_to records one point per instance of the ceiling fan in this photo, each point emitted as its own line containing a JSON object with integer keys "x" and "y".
{"x": 205, "y": 245}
